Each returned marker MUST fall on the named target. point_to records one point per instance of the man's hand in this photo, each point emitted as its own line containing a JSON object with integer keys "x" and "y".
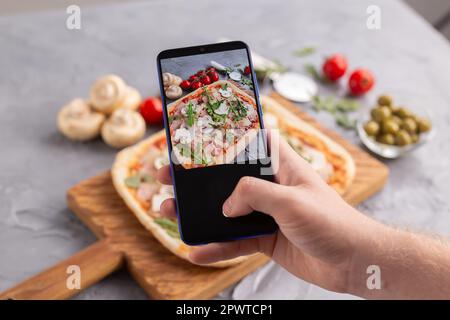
{"x": 321, "y": 238}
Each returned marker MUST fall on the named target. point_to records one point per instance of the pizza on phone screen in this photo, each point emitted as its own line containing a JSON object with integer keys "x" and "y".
{"x": 212, "y": 125}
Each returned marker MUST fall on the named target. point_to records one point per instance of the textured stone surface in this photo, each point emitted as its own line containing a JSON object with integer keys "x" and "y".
{"x": 43, "y": 65}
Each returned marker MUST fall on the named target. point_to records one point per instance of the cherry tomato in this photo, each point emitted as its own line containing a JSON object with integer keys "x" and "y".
{"x": 214, "y": 76}
{"x": 360, "y": 81}
{"x": 185, "y": 84}
{"x": 151, "y": 110}
{"x": 193, "y": 78}
{"x": 247, "y": 70}
{"x": 200, "y": 73}
{"x": 205, "y": 80}
{"x": 210, "y": 69}
{"x": 195, "y": 85}
{"x": 334, "y": 67}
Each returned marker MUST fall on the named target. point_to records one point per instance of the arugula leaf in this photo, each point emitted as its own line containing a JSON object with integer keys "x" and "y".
{"x": 191, "y": 114}
{"x": 346, "y": 105}
{"x": 211, "y": 106}
{"x": 133, "y": 181}
{"x": 185, "y": 150}
{"x": 303, "y": 52}
{"x": 247, "y": 82}
{"x": 169, "y": 226}
{"x": 238, "y": 109}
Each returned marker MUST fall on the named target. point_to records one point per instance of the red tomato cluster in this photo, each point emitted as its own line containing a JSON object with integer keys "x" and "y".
{"x": 360, "y": 80}
{"x": 201, "y": 78}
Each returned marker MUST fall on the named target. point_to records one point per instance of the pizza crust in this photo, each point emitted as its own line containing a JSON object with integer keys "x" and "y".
{"x": 290, "y": 119}
{"x": 120, "y": 171}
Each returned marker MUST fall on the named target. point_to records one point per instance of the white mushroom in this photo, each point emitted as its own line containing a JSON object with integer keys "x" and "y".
{"x": 124, "y": 128}
{"x": 107, "y": 93}
{"x": 170, "y": 79}
{"x": 78, "y": 122}
{"x": 173, "y": 92}
{"x": 132, "y": 100}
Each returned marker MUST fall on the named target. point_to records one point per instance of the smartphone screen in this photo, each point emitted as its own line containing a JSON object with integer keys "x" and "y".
{"x": 214, "y": 127}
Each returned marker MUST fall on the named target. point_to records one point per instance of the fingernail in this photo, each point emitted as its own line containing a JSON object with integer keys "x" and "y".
{"x": 226, "y": 208}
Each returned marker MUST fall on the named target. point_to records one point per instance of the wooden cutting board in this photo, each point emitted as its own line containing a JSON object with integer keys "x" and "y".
{"x": 123, "y": 241}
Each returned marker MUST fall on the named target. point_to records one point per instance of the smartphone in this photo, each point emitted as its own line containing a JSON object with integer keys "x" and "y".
{"x": 214, "y": 125}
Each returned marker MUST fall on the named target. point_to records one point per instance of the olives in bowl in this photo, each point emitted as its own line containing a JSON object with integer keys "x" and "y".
{"x": 393, "y": 130}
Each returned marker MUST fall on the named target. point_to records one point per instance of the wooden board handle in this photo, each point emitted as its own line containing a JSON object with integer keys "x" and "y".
{"x": 95, "y": 262}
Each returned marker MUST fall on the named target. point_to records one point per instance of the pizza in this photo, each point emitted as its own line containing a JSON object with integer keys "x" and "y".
{"x": 133, "y": 175}
{"x": 135, "y": 167}
{"x": 212, "y": 125}
{"x": 329, "y": 159}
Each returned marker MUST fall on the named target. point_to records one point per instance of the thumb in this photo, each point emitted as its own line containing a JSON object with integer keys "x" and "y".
{"x": 253, "y": 194}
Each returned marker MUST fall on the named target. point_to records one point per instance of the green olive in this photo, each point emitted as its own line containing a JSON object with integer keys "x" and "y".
{"x": 372, "y": 128}
{"x": 424, "y": 125}
{"x": 387, "y": 138}
{"x": 403, "y": 112}
{"x": 397, "y": 120}
{"x": 409, "y": 125}
{"x": 414, "y": 138}
{"x": 381, "y": 113}
{"x": 385, "y": 100}
{"x": 390, "y": 126}
{"x": 374, "y": 113}
{"x": 403, "y": 138}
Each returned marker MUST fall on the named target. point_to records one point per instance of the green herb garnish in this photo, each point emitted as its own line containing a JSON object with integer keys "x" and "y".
{"x": 211, "y": 106}
{"x": 344, "y": 120}
{"x": 339, "y": 108}
{"x": 238, "y": 109}
{"x": 135, "y": 181}
{"x": 171, "y": 227}
{"x": 247, "y": 82}
{"x": 191, "y": 114}
{"x": 303, "y": 52}
{"x": 312, "y": 71}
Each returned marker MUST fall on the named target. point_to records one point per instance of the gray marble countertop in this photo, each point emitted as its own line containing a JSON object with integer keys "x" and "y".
{"x": 43, "y": 65}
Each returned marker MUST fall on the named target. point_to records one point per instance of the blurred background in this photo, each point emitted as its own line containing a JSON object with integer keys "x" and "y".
{"x": 436, "y": 12}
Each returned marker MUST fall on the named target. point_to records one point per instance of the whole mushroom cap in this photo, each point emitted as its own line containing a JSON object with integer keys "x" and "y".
{"x": 124, "y": 128}
{"x": 170, "y": 79}
{"x": 132, "y": 100}
{"x": 78, "y": 122}
{"x": 173, "y": 92}
{"x": 107, "y": 93}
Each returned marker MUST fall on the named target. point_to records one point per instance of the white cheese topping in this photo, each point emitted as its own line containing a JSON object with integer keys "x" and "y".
{"x": 183, "y": 136}
{"x": 225, "y": 93}
{"x": 222, "y": 109}
{"x": 160, "y": 162}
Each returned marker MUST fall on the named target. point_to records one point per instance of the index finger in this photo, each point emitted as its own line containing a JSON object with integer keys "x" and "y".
{"x": 163, "y": 175}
